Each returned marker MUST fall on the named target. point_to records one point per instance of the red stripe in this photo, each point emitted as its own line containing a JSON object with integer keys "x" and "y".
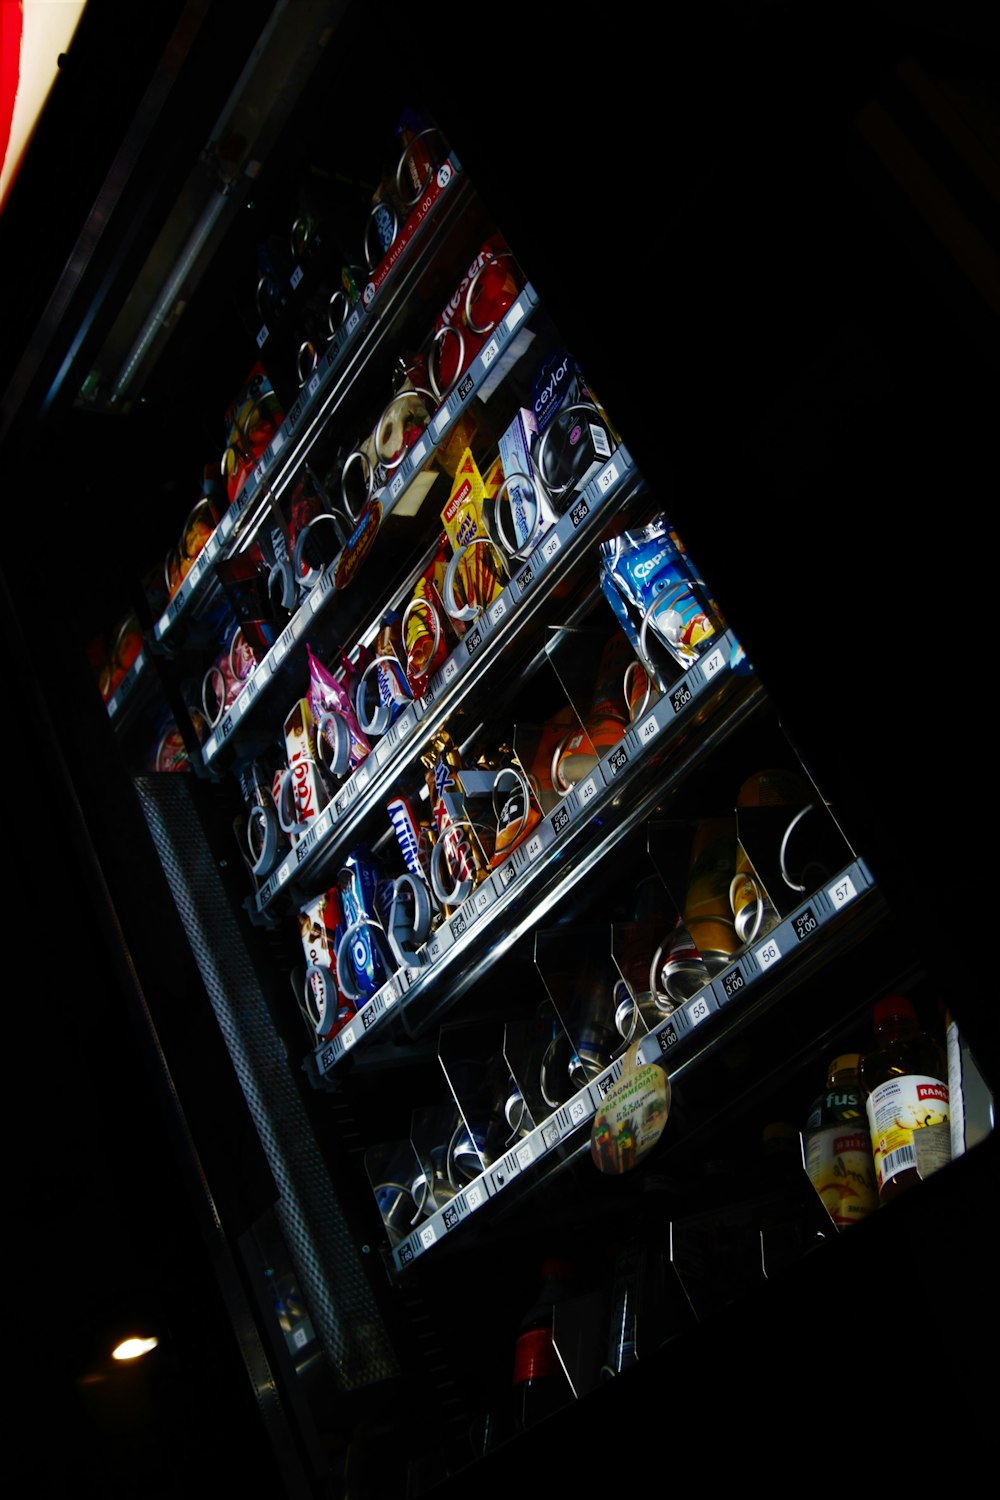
{"x": 11, "y": 25}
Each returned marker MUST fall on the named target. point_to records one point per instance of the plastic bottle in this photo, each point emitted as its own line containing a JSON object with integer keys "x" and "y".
{"x": 903, "y": 1077}
{"x": 789, "y": 1220}
{"x": 838, "y": 1146}
{"x": 540, "y": 1386}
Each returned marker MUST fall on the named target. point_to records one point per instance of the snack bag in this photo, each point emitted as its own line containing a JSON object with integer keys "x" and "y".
{"x": 341, "y": 744}
{"x": 251, "y": 420}
{"x": 476, "y": 574}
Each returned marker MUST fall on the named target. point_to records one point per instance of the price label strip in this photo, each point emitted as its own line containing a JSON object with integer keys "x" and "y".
{"x": 522, "y": 580}
{"x": 762, "y": 957}
{"x": 588, "y": 792}
{"x": 127, "y": 686}
{"x": 499, "y": 1176}
{"x": 278, "y": 878}
{"x": 446, "y": 174}
{"x": 438, "y": 943}
{"x": 459, "y": 924}
{"x": 483, "y": 898}
{"x": 367, "y": 1018}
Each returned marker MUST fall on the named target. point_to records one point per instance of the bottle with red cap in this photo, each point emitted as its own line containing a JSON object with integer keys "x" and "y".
{"x": 903, "y": 1076}
{"x": 540, "y": 1386}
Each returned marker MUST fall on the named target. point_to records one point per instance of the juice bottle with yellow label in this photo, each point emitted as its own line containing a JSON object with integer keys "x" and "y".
{"x": 838, "y": 1149}
{"x": 904, "y": 1079}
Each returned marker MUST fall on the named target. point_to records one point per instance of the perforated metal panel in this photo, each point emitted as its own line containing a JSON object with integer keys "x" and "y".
{"x": 328, "y": 1265}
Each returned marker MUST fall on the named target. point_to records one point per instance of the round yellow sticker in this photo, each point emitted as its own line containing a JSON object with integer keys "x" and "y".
{"x": 632, "y": 1116}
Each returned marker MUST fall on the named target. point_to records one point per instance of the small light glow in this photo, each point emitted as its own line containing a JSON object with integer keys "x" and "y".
{"x": 33, "y": 34}
{"x": 134, "y": 1348}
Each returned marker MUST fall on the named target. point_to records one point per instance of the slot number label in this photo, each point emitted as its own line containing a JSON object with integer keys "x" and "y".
{"x": 698, "y": 1010}
{"x": 841, "y": 892}
{"x": 586, "y": 791}
{"x": 713, "y": 663}
{"x": 525, "y": 1155}
{"x": 767, "y": 954}
{"x": 608, "y": 477}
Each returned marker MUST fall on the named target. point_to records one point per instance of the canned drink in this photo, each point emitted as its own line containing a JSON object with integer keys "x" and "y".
{"x": 517, "y": 811}
{"x": 678, "y": 970}
{"x": 753, "y": 914}
{"x": 707, "y": 909}
{"x": 635, "y": 1013}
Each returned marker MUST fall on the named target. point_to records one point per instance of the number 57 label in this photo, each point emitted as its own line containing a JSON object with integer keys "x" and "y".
{"x": 842, "y": 891}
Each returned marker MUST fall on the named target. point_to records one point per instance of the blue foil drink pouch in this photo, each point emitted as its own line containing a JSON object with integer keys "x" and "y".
{"x": 362, "y": 894}
{"x": 648, "y": 580}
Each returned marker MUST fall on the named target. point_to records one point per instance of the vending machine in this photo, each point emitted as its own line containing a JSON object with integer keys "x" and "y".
{"x": 507, "y": 667}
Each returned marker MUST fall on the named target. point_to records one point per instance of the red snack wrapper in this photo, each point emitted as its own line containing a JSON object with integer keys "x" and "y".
{"x": 428, "y": 631}
{"x": 306, "y": 790}
{"x": 484, "y": 294}
{"x": 252, "y": 419}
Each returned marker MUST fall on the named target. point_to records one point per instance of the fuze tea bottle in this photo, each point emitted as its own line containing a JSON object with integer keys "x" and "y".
{"x": 838, "y": 1145}
{"x": 903, "y": 1077}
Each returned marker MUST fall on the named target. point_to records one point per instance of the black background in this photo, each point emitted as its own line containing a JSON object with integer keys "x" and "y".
{"x": 810, "y": 362}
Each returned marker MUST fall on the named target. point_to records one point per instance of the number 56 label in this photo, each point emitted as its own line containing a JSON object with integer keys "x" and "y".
{"x": 768, "y": 953}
